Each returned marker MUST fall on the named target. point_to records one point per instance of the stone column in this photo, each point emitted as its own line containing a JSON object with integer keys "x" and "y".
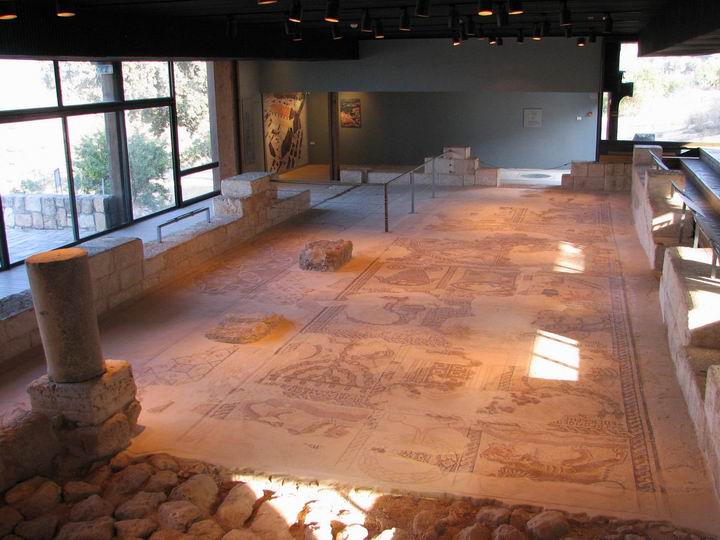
{"x": 63, "y": 298}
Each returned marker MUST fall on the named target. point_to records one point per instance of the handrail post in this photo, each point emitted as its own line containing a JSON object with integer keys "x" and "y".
{"x": 432, "y": 181}
{"x": 412, "y": 192}
{"x": 385, "y": 189}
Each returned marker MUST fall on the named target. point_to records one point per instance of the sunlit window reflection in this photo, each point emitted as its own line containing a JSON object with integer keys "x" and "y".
{"x": 570, "y": 259}
{"x": 554, "y": 357}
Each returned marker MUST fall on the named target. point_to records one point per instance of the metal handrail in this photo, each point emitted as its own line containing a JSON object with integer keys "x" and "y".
{"x": 180, "y": 218}
{"x": 411, "y": 172}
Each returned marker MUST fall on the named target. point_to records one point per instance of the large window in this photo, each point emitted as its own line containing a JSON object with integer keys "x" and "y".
{"x": 87, "y": 147}
{"x": 675, "y": 98}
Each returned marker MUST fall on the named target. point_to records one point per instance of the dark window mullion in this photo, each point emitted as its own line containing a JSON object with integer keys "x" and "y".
{"x": 70, "y": 179}
{"x": 200, "y": 168}
{"x": 175, "y": 137}
{"x": 4, "y": 252}
{"x": 58, "y": 88}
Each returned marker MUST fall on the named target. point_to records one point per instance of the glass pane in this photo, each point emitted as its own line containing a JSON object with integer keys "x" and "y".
{"x": 33, "y": 184}
{"x": 676, "y": 98}
{"x": 86, "y": 82}
{"x": 33, "y": 84}
{"x": 197, "y": 184}
{"x": 96, "y": 172}
{"x": 193, "y": 109}
{"x": 146, "y": 80}
{"x": 150, "y": 155}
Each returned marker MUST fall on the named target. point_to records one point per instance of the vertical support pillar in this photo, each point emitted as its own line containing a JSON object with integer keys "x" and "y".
{"x": 334, "y": 136}
{"x": 65, "y": 310}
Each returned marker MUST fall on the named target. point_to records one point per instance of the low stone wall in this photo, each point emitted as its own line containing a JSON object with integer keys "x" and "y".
{"x": 598, "y": 176}
{"x": 96, "y": 213}
{"x": 690, "y": 304}
{"x": 123, "y": 269}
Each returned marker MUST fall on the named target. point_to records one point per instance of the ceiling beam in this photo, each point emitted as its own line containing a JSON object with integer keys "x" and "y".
{"x": 681, "y": 23}
{"x": 37, "y": 32}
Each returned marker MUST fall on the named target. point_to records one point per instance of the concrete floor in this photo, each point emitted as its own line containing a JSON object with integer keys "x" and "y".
{"x": 499, "y": 343}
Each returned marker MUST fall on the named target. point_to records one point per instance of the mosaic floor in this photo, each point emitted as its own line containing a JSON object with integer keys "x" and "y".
{"x": 501, "y": 342}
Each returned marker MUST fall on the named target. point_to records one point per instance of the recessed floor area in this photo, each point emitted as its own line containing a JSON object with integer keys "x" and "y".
{"x": 499, "y": 343}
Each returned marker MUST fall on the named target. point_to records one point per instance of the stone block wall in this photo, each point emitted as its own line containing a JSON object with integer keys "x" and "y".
{"x": 96, "y": 213}
{"x": 123, "y": 268}
{"x": 598, "y": 176}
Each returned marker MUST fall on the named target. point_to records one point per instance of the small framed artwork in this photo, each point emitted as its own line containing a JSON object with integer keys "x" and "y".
{"x": 532, "y": 118}
{"x": 350, "y": 113}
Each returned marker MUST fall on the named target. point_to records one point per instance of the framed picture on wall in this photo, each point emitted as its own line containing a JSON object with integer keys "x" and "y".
{"x": 532, "y": 118}
{"x": 350, "y": 114}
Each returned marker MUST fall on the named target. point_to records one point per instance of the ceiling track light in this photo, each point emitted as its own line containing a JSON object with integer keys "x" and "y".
{"x": 520, "y": 37}
{"x": 581, "y": 42}
{"x": 266, "y": 2}
{"x": 502, "y": 16}
{"x": 485, "y": 8}
{"x": 537, "y": 34}
{"x": 65, "y": 8}
{"x": 366, "y": 21}
{"x": 456, "y": 39}
{"x": 492, "y": 40}
{"x": 296, "y": 12}
{"x": 565, "y": 15}
{"x": 608, "y": 24}
{"x": 8, "y": 10}
{"x": 335, "y": 32}
{"x": 405, "y": 22}
{"x": 515, "y": 7}
{"x": 422, "y": 8}
{"x": 378, "y": 29}
{"x": 470, "y": 27}
{"x": 332, "y": 11}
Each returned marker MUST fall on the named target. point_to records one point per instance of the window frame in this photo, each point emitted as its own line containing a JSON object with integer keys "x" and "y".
{"x": 118, "y": 106}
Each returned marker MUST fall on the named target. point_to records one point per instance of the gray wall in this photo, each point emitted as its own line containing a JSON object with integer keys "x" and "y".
{"x": 401, "y": 128}
{"x": 433, "y": 65}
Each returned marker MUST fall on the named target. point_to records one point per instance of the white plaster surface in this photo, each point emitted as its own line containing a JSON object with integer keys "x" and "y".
{"x": 499, "y": 343}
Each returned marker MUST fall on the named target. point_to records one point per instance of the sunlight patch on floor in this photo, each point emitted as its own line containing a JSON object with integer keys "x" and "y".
{"x": 554, "y": 357}
{"x": 570, "y": 259}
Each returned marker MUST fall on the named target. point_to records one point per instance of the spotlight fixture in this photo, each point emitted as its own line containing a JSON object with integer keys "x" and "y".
{"x": 8, "y": 10}
{"x": 565, "y": 15}
{"x": 592, "y": 38}
{"x": 332, "y": 11}
{"x": 404, "y": 25}
{"x": 266, "y": 2}
{"x": 515, "y": 7}
{"x": 456, "y": 39}
{"x": 335, "y": 32}
{"x": 568, "y": 32}
{"x": 480, "y": 33}
{"x": 537, "y": 35}
{"x": 296, "y": 12}
{"x": 65, "y": 8}
{"x": 231, "y": 29}
{"x": 422, "y": 8}
{"x": 499, "y": 42}
{"x": 492, "y": 40}
{"x": 485, "y": 8}
{"x": 581, "y": 42}
{"x": 520, "y": 37}
{"x": 470, "y": 27}
{"x": 378, "y": 30}
{"x": 366, "y": 22}
{"x": 608, "y": 24}
{"x": 502, "y": 16}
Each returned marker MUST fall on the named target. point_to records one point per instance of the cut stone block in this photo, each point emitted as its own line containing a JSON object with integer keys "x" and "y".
{"x": 457, "y": 152}
{"x": 568, "y": 181}
{"x": 589, "y": 183}
{"x": 579, "y": 168}
{"x": 486, "y": 176}
{"x": 642, "y": 154}
{"x": 87, "y": 403}
{"x": 325, "y": 255}
{"x": 90, "y": 443}
{"x": 596, "y": 170}
{"x": 228, "y": 206}
{"x": 245, "y": 185}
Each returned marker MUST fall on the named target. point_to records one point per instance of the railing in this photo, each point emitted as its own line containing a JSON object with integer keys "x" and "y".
{"x": 660, "y": 160}
{"x": 411, "y": 173}
{"x": 180, "y": 218}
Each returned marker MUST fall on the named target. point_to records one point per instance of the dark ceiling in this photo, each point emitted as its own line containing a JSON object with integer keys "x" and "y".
{"x": 630, "y": 16}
